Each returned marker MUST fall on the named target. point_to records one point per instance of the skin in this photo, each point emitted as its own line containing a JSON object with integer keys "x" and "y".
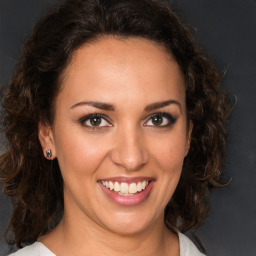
{"x": 128, "y": 74}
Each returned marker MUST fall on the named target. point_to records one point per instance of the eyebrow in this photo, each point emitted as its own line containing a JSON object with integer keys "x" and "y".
{"x": 109, "y": 107}
{"x": 99, "y": 105}
{"x": 162, "y": 104}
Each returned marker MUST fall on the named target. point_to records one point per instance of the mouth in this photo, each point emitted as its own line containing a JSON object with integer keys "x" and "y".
{"x": 125, "y": 189}
{"x": 127, "y": 192}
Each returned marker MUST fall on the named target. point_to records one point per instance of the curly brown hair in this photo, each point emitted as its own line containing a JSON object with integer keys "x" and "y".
{"x": 34, "y": 183}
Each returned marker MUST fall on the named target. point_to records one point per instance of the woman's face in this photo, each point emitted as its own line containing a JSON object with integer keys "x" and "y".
{"x": 119, "y": 134}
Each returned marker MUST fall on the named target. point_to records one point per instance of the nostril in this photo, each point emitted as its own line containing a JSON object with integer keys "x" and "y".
{"x": 129, "y": 152}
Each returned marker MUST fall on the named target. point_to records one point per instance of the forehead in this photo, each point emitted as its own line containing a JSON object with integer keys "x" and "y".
{"x": 113, "y": 66}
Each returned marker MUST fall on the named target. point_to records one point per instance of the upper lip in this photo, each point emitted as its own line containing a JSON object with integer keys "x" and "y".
{"x": 128, "y": 179}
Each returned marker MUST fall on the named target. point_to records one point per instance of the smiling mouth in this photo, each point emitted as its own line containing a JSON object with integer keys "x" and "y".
{"x": 125, "y": 189}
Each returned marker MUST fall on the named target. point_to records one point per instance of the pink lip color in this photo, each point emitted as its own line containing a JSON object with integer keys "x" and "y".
{"x": 133, "y": 200}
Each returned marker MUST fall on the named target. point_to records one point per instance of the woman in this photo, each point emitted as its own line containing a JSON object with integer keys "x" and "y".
{"x": 116, "y": 135}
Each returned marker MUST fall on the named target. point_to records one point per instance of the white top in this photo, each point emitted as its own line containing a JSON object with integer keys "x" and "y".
{"x": 187, "y": 248}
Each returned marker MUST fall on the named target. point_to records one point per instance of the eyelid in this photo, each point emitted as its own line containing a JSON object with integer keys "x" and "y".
{"x": 98, "y": 115}
{"x": 169, "y": 116}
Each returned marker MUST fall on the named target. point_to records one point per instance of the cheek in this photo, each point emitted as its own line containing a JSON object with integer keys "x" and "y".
{"x": 168, "y": 157}
{"x": 170, "y": 151}
{"x": 79, "y": 155}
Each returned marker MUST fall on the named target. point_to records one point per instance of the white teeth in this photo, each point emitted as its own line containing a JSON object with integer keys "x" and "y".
{"x": 143, "y": 184}
{"x": 124, "y": 188}
{"x": 117, "y": 187}
{"x": 132, "y": 188}
{"x": 111, "y": 185}
{"x": 139, "y": 188}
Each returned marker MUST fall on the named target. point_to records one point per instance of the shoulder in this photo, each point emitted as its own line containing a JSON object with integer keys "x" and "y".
{"x": 187, "y": 248}
{"x": 35, "y": 249}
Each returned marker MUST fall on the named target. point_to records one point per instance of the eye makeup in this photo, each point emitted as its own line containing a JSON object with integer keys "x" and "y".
{"x": 161, "y": 120}
{"x": 95, "y": 120}
{"x": 155, "y": 120}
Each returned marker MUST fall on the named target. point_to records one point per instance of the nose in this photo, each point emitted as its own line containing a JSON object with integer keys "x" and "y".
{"x": 129, "y": 151}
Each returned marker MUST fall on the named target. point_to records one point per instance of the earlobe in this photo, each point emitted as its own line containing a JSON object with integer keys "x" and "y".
{"x": 45, "y": 136}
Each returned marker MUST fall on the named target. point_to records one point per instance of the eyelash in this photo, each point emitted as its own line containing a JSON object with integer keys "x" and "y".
{"x": 83, "y": 120}
{"x": 170, "y": 120}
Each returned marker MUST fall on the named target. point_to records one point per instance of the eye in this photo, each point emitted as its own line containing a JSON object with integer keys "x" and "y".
{"x": 160, "y": 120}
{"x": 94, "y": 121}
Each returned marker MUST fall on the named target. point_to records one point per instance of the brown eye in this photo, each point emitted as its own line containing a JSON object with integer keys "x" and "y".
{"x": 157, "y": 120}
{"x": 160, "y": 120}
{"x": 95, "y": 121}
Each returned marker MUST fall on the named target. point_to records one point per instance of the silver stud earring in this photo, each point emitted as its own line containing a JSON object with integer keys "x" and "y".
{"x": 48, "y": 153}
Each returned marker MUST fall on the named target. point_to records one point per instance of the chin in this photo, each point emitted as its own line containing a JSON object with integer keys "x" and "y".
{"x": 129, "y": 224}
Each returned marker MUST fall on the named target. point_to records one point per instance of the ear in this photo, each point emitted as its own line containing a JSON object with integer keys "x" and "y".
{"x": 45, "y": 136}
{"x": 189, "y": 135}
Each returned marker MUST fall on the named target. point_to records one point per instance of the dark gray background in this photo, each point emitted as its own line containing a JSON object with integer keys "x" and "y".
{"x": 227, "y": 29}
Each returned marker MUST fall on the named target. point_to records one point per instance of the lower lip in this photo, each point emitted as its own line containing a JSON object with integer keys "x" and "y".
{"x": 133, "y": 200}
